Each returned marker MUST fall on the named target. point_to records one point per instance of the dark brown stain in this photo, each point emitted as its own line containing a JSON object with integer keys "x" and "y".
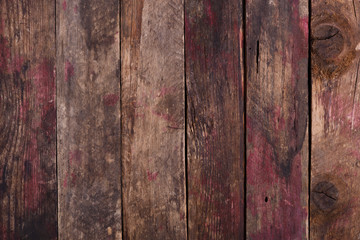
{"x": 99, "y": 21}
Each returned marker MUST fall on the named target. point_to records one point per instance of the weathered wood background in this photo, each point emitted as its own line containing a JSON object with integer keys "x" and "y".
{"x": 179, "y": 119}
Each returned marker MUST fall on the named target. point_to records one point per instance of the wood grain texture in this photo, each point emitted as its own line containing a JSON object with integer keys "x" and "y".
{"x": 28, "y": 201}
{"x": 215, "y": 127}
{"x": 277, "y": 119}
{"x": 335, "y": 156}
{"x": 152, "y": 63}
{"x": 88, "y": 100}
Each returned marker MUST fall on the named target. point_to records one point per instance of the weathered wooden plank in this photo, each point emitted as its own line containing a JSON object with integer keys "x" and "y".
{"x": 215, "y": 127}
{"x": 334, "y": 196}
{"x": 152, "y": 63}
{"x": 277, "y": 117}
{"x": 88, "y": 87}
{"x": 28, "y": 200}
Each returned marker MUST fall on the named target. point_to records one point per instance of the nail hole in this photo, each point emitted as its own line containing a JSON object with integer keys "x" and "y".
{"x": 266, "y": 199}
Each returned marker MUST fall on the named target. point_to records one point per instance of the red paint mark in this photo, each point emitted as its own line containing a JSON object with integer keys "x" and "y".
{"x": 43, "y": 86}
{"x": 65, "y": 180}
{"x": 151, "y": 176}
{"x": 167, "y": 117}
{"x": 304, "y": 25}
{"x": 110, "y": 99}
{"x": 44, "y": 83}
{"x": 75, "y": 156}
{"x": 210, "y": 14}
{"x": 182, "y": 216}
{"x": 64, "y": 5}
{"x": 73, "y": 178}
{"x": 165, "y": 91}
{"x": 69, "y": 71}
{"x": 286, "y": 217}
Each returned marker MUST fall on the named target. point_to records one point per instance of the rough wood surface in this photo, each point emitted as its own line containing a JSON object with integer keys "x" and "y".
{"x": 88, "y": 100}
{"x": 215, "y": 129}
{"x": 152, "y": 63}
{"x": 335, "y": 156}
{"x": 277, "y": 117}
{"x": 28, "y": 199}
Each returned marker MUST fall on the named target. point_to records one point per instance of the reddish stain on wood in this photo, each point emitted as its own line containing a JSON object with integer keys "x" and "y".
{"x": 277, "y": 120}
{"x": 151, "y": 176}
{"x": 64, "y": 5}
{"x": 111, "y": 99}
{"x": 75, "y": 157}
{"x": 274, "y": 221}
{"x": 69, "y": 71}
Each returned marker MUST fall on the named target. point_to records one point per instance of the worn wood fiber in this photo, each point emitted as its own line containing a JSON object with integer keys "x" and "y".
{"x": 335, "y": 156}
{"x": 28, "y": 199}
{"x": 215, "y": 127}
{"x": 152, "y": 74}
{"x": 277, "y": 119}
{"x": 88, "y": 100}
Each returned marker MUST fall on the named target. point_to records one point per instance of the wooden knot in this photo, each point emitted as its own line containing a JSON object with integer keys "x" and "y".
{"x": 325, "y": 195}
{"x": 328, "y": 41}
{"x": 332, "y": 43}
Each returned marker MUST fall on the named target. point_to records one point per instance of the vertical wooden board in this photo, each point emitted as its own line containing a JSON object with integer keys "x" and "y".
{"x": 277, "y": 119}
{"x": 215, "y": 127}
{"x": 335, "y": 156}
{"x": 88, "y": 80}
{"x": 152, "y": 63}
{"x": 28, "y": 199}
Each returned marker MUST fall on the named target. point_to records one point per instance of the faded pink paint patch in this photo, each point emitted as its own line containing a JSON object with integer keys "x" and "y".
{"x": 304, "y": 25}
{"x": 111, "y": 99}
{"x": 76, "y": 9}
{"x": 167, "y": 117}
{"x": 17, "y": 64}
{"x": 151, "y": 176}
{"x": 75, "y": 157}
{"x": 64, "y": 5}
{"x": 73, "y": 178}
{"x": 165, "y": 91}
{"x": 65, "y": 180}
{"x": 69, "y": 71}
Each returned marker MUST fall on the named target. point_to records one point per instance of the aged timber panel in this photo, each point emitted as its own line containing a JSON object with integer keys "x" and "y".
{"x": 152, "y": 63}
{"x": 215, "y": 127}
{"x": 88, "y": 87}
{"x": 277, "y": 119}
{"x": 28, "y": 199}
{"x": 335, "y": 155}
